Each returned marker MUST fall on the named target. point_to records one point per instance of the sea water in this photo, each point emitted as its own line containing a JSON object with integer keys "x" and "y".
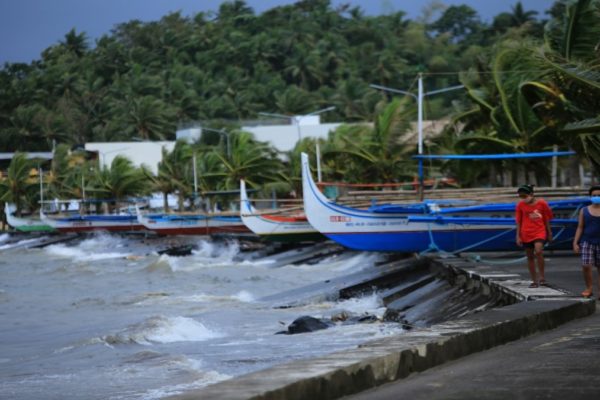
{"x": 106, "y": 317}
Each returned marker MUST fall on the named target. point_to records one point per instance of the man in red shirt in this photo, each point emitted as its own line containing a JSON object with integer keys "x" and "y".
{"x": 533, "y": 217}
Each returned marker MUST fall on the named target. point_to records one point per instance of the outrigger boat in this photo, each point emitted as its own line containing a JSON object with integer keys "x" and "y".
{"x": 488, "y": 227}
{"x": 23, "y": 224}
{"x": 88, "y": 223}
{"x": 284, "y": 227}
{"x": 193, "y": 224}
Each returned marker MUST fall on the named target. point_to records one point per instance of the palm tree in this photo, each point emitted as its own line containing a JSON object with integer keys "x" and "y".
{"x": 174, "y": 172}
{"x": 502, "y": 120}
{"x": 255, "y": 162}
{"x": 566, "y": 97}
{"x": 17, "y": 184}
{"x": 74, "y": 43}
{"x": 119, "y": 181}
{"x": 380, "y": 153}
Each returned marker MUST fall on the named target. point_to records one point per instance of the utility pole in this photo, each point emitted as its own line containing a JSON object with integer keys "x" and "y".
{"x": 419, "y": 98}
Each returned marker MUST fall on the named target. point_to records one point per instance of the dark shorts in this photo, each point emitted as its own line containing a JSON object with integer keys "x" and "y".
{"x": 531, "y": 245}
{"x": 590, "y": 254}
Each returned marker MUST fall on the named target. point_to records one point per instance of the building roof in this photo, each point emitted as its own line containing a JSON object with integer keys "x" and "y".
{"x": 45, "y": 155}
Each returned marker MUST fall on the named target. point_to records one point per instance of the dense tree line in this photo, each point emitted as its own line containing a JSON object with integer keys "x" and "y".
{"x": 145, "y": 78}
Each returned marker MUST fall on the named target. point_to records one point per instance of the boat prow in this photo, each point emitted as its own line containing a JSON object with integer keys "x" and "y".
{"x": 275, "y": 227}
{"x": 25, "y": 224}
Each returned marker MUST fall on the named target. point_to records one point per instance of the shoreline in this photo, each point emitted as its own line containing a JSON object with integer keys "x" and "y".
{"x": 390, "y": 359}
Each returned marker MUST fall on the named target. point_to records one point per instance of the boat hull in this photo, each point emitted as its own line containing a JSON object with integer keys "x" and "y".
{"x": 404, "y": 232}
{"x": 192, "y": 225}
{"x": 450, "y": 240}
{"x": 277, "y": 228}
{"x": 91, "y": 223}
{"x": 25, "y": 224}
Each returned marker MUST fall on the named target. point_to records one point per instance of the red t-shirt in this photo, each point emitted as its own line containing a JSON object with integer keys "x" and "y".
{"x": 532, "y": 218}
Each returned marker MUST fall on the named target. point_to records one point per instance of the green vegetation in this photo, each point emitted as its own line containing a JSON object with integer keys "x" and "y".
{"x": 530, "y": 84}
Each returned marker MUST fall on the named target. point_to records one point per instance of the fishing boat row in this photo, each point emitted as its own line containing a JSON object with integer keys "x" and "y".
{"x": 432, "y": 225}
{"x": 162, "y": 224}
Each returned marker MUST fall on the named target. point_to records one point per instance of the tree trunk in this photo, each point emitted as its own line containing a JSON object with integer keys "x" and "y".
{"x": 166, "y": 202}
{"x": 180, "y": 200}
{"x": 521, "y": 175}
{"x": 493, "y": 177}
{"x": 531, "y": 178}
{"x": 573, "y": 172}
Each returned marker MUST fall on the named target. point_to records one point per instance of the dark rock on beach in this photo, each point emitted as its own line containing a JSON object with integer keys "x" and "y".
{"x": 305, "y": 324}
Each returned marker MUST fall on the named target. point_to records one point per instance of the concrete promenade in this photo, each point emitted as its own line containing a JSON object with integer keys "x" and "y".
{"x": 546, "y": 345}
{"x": 562, "y": 363}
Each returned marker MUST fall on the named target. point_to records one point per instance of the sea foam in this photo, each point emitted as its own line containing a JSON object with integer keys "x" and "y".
{"x": 87, "y": 250}
{"x": 162, "y": 330}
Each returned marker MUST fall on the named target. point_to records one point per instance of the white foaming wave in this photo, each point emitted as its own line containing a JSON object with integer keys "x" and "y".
{"x": 357, "y": 306}
{"x": 336, "y": 263}
{"x": 87, "y": 250}
{"x": 216, "y": 253}
{"x": 101, "y": 240}
{"x": 361, "y": 305}
{"x": 242, "y": 296}
{"x": 256, "y": 263}
{"x": 163, "y": 330}
{"x": 4, "y": 237}
{"x": 19, "y": 243}
{"x": 209, "y": 255}
{"x": 81, "y": 254}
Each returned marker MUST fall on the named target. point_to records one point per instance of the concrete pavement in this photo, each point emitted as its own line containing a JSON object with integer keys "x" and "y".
{"x": 561, "y": 363}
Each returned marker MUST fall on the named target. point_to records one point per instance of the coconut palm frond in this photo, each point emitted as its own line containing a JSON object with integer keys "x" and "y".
{"x": 576, "y": 35}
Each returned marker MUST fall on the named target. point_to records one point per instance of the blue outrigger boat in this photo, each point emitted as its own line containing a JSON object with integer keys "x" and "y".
{"x": 418, "y": 228}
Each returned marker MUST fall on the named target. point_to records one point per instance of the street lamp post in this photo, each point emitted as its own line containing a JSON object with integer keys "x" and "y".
{"x": 104, "y": 153}
{"x": 419, "y": 97}
{"x": 195, "y": 177}
{"x": 297, "y": 118}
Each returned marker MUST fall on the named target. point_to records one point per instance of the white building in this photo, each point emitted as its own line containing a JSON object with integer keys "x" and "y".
{"x": 140, "y": 153}
{"x": 285, "y": 137}
{"x": 282, "y": 137}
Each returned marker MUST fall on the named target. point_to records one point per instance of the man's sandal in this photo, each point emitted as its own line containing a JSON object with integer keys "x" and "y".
{"x": 587, "y": 293}
{"x": 533, "y": 285}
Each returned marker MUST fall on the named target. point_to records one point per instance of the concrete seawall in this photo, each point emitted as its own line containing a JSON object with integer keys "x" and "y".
{"x": 518, "y": 312}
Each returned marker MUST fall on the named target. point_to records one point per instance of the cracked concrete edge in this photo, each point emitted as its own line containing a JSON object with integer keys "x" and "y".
{"x": 388, "y": 359}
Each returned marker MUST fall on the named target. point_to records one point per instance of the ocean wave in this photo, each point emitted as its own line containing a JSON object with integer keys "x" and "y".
{"x": 212, "y": 253}
{"x": 164, "y": 263}
{"x": 353, "y": 307}
{"x": 87, "y": 250}
{"x": 19, "y": 243}
{"x": 162, "y": 330}
{"x": 80, "y": 254}
{"x": 370, "y": 304}
{"x": 4, "y": 237}
{"x": 242, "y": 296}
{"x": 344, "y": 263}
{"x": 208, "y": 255}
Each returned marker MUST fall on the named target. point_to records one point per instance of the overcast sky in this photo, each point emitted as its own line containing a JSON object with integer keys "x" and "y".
{"x": 27, "y": 27}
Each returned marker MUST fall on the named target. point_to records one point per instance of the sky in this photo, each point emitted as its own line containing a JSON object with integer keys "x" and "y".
{"x": 27, "y": 27}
